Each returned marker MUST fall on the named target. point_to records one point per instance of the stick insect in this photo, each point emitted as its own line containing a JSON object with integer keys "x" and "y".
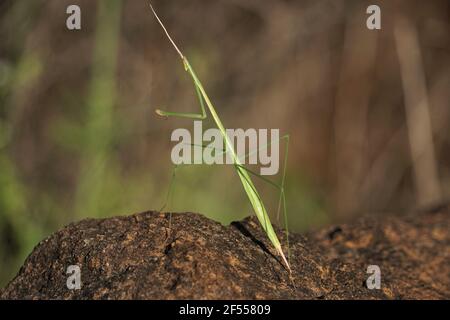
{"x": 243, "y": 172}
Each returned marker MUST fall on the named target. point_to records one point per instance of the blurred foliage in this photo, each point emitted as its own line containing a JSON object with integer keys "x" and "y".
{"x": 79, "y": 138}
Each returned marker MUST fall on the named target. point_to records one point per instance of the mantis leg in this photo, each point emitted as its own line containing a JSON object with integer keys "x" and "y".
{"x": 195, "y": 116}
{"x": 175, "y": 168}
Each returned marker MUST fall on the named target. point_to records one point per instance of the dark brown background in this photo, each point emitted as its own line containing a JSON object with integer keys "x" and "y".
{"x": 79, "y": 137}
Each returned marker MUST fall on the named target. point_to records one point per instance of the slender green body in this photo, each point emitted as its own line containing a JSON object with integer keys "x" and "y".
{"x": 249, "y": 187}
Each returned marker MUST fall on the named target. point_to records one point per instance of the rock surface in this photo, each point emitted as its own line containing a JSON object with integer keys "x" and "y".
{"x": 148, "y": 256}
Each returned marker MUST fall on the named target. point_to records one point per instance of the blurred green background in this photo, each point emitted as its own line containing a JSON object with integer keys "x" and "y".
{"x": 79, "y": 137}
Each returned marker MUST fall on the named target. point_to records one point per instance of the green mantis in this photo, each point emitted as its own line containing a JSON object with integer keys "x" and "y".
{"x": 242, "y": 172}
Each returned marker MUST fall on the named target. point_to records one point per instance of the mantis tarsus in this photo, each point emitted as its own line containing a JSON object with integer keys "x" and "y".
{"x": 243, "y": 173}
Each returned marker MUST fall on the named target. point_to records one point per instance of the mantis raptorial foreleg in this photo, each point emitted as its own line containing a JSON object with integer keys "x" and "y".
{"x": 194, "y": 116}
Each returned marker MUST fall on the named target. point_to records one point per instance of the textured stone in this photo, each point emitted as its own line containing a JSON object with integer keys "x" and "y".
{"x": 144, "y": 257}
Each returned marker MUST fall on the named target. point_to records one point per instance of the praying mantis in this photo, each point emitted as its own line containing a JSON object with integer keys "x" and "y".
{"x": 242, "y": 172}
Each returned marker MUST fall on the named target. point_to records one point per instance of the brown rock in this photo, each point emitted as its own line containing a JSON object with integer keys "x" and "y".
{"x": 143, "y": 257}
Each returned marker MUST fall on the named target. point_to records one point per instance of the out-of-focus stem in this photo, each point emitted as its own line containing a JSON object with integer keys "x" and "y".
{"x": 417, "y": 113}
